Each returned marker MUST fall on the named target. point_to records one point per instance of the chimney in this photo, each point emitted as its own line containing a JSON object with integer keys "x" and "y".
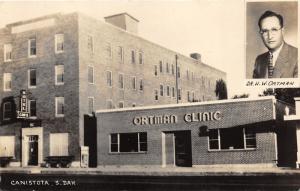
{"x": 196, "y": 56}
{"x": 124, "y": 21}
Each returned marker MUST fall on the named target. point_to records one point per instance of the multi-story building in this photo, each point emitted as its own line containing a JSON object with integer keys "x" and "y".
{"x": 69, "y": 65}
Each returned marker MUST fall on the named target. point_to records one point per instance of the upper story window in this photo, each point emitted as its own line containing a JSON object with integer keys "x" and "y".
{"x": 179, "y": 94}
{"x": 172, "y": 69}
{"x": 155, "y": 70}
{"x": 121, "y": 81}
{"x": 132, "y": 56}
{"x": 120, "y": 54}
{"x": 7, "y": 110}
{"x": 108, "y": 50}
{"x": 231, "y": 138}
{"x": 141, "y": 85}
{"x": 59, "y": 43}
{"x": 90, "y": 43}
{"x": 160, "y": 66}
{"x": 168, "y": 90}
{"x": 161, "y": 87}
{"x": 32, "y": 78}
{"x": 109, "y": 78}
{"x": 141, "y": 57}
{"x": 178, "y": 71}
{"x": 32, "y": 47}
{"x": 134, "y": 82}
{"x": 173, "y": 92}
{"x": 188, "y": 96}
{"x": 90, "y": 105}
{"x": 59, "y": 74}
{"x": 59, "y": 106}
{"x": 167, "y": 68}
{"x": 7, "y": 52}
{"x": 91, "y": 74}
{"x": 7, "y": 82}
{"x": 32, "y": 108}
{"x": 155, "y": 94}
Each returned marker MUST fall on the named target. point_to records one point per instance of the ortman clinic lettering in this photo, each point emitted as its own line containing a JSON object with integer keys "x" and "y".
{"x": 169, "y": 119}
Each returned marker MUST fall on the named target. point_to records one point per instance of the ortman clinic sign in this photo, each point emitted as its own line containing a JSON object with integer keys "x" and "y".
{"x": 169, "y": 119}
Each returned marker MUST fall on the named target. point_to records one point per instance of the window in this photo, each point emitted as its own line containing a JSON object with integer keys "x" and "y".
{"x": 161, "y": 87}
{"x": 188, "y": 96}
{"x": 187, "y": 74}
{"x": 7, "y": 52}
{"x": 133, "y": 82}
{"x": 7, "y": 81}
{"x": 109, "y": 104}
{"x": 156, "y": 94}
{"x": 173, "y": 72}
{"x": 179, "y": 94}
{"x": 32, "y": 108}
{"x": 7, "y": 146}
{"x": 7, "y": 110}
{"x": 32, "y": 47}
{"x": 231, "y": 138}
{"x": 167, "y": 68}
{"x": 32, "y": 78}
{"x": 141, "y": 58}
{"x": 128, "y": 142}
{"x": 59, "y": 74}
{"x": 59, "y": 43}
{"x": 160, "y": 66}
{"x": 90, "y": 105}
{"x": 121, "y": 81}
{"x": 59, "y": 106}
{"x": 121, "y": 54}
{"x": 108, "y": 50}
{"x": 133, "y": 105}
{"x": 121, "y": 104}
{"x": 155, "y": 70}
{"x": 193, "y": 96}
{"x": 59, "y": 143}
{"x": 109, "y": 78}
{"x": 91, "y": 74}
{"x": 141, "y": 85}
{"x": 90, "y": 43}
{"x": 133, "y": 57}
{"x": 173, "y": 92}
{"x": 168, "y": 90}
{"x": 178, "y": 72}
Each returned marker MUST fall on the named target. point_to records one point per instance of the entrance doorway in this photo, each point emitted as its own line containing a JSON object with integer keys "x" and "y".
{"x": 177, "y": 149}
{"x": 33, "y": 150}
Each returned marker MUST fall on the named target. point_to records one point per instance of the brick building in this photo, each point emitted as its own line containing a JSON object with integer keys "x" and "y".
{"x": 230, "y": 132}
{"x": 69, "y": 65}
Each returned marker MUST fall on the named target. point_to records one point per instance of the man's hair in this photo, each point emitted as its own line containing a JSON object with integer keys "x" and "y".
{"x": 270, "y": 14}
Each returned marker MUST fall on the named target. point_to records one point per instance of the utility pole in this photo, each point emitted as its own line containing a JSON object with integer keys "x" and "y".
{"x": 176, "y": 77}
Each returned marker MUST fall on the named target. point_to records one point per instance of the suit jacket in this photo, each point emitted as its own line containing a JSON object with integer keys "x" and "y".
{"x": 286, "y": 65}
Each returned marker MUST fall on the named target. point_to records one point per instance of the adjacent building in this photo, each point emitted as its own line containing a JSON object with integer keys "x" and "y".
{"x": 58, "y": 69}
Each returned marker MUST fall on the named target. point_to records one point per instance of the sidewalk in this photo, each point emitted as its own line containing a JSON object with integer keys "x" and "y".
{"x": 157, "y": 171}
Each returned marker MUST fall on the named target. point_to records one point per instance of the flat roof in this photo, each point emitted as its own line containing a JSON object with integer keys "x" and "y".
{"x": 124, "y": 13}
{"x": 185, "y": 104}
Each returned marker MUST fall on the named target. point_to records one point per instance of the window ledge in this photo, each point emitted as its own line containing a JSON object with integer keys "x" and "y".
{"x": 120, "y": 153}
{"x": 232, "y": 150}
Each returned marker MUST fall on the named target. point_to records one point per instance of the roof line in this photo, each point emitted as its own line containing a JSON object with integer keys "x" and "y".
{"x": 124, "y": 13}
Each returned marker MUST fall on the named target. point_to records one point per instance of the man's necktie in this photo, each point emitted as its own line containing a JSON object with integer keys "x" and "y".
{"x": 270, "y": 65}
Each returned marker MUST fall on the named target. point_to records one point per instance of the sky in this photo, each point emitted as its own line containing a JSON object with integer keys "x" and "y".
{"x": 213, "y": 28}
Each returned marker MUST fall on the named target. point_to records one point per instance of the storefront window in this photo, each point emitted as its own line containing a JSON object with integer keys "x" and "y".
{"x": 128, "y": 142}
{"x": 231, "y": 138}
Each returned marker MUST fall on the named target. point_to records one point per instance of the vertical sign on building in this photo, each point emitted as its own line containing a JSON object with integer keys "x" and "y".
{"x": 23, "y": 112}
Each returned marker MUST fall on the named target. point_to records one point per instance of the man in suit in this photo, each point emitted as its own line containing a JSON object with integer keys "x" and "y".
{"x": 281, "y": 60}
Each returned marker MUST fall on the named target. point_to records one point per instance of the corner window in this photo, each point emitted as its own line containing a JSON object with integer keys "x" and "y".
{"x": 59, "y": 43}
{"x": 231, "y": 139}
{"x": 32, "y": 78}
{"x": 7, "y": 52}
{"x": 128, "y": 142}
{"x": 109, "y": 78}
{"x": 59, "y": 74}
{"x": 32, "y": 47}
{"x": 121, "y": 81}
{"x": 32, "y": 108}
{"x": 91, "y": 74}
{"x": 7, "y": 111}
{"x": 7, "y": 82}
{"x": 59, "y": 106}
{"x": 90, "y": 105}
